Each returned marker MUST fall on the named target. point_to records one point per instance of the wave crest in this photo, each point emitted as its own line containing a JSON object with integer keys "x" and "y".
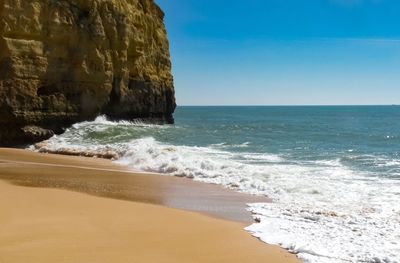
{"x": 324, "y": 210}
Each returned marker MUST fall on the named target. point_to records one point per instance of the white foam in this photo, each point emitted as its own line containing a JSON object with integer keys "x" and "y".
{"x": 103, "y": 121}
{"x": 322, "y": 210}
{"x": 229, "y": 145}
{"x": 325, "y": 236}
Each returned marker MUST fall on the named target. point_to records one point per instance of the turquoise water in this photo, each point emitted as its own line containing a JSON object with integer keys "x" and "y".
{"x": 333, "y": 172}
{"x": 363, "y": 138}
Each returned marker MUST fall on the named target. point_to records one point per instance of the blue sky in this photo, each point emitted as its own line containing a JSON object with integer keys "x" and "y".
{"x": 284, "y": 52}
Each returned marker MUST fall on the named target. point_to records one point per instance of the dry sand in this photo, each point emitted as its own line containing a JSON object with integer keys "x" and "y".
{"x": 54, "y": 225}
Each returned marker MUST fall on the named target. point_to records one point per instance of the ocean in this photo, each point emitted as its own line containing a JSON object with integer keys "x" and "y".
{"x": 333, "y": 172}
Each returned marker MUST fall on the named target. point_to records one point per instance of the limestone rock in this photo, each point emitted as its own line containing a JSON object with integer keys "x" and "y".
{"x": 65, "y": 61}
{"x": 34, "y": 133}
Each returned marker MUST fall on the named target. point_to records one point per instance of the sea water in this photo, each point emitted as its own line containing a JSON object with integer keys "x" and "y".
{"x": 333, "y": 172}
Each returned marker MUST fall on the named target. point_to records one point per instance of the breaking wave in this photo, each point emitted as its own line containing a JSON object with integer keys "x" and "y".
{"x": 324, "y": 210}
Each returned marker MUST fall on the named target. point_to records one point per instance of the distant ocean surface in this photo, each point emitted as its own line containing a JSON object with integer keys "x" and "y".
{"x": 333, "y": 172}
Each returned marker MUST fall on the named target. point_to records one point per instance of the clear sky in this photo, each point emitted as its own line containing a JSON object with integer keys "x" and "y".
{"x": 284, "y": 52}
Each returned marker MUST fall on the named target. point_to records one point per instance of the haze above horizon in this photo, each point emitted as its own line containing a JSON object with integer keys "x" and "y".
{"x": 274, "y": 52}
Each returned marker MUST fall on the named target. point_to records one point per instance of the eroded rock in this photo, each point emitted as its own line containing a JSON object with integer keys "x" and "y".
{"x": 67, "y": 61}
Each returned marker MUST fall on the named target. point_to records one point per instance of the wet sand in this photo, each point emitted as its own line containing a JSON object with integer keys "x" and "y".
{"x": 103, "y": 178}
{"x": 125, "y": 220}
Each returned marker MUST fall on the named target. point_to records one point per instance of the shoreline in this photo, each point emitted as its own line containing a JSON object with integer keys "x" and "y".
{"x": 199, "y": 205}
{"x": 81, "y": 174}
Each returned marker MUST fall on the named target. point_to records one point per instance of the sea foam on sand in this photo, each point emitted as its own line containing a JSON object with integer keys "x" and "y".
{"x": 322, "y": 210}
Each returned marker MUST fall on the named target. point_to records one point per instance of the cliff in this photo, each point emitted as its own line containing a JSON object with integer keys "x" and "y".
{"x": 65, "y": 61}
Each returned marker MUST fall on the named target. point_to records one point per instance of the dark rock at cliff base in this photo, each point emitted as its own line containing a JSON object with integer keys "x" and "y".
{"x": 65, "y": 61}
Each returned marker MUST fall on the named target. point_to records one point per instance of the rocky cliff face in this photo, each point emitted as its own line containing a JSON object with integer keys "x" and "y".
{"x": 65, "y": 61}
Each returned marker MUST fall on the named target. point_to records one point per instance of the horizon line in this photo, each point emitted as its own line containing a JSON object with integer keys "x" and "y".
{"x": 283, "y": 105}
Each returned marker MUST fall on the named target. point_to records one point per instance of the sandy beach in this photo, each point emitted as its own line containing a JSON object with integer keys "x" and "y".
{"x": 90, "y": 210}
